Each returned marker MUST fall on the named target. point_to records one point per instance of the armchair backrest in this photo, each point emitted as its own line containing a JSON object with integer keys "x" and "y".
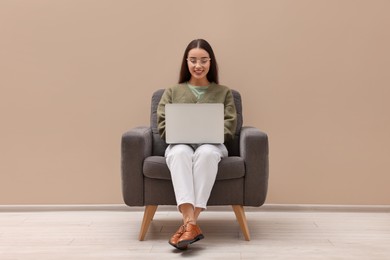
{"x": 159, "y": 145}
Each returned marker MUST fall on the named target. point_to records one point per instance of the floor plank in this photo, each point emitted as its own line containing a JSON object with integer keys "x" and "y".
{"x": 274, "y": 235}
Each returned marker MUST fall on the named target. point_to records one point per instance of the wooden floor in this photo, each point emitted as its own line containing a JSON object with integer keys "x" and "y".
{"x": 112, "y": 234}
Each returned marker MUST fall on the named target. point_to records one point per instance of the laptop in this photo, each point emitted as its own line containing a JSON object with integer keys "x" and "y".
{"x": 194, "y": 123}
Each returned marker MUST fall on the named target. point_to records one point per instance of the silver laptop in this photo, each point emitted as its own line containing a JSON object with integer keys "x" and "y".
{"x": 194, "y": 123}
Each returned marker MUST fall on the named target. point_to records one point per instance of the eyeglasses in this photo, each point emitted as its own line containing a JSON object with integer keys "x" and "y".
{"x": 194, "y": 61}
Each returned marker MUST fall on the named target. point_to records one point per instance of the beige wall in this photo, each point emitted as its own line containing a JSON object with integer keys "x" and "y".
{"x": 75, "y": 75}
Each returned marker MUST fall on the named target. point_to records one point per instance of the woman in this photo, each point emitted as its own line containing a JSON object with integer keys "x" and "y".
{"x": 194, "y": 167}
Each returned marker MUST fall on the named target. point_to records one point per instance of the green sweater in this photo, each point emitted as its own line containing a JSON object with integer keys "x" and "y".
{"x": 215, "y": 93}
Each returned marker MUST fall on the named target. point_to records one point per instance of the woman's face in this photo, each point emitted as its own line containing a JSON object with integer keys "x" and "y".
{"x": 198, "y": 61}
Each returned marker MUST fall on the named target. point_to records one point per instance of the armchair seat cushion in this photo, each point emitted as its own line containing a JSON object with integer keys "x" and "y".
{"x": 232, "y": 167}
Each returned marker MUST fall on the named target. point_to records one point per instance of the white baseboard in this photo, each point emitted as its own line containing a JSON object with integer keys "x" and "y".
{"x": 264, "y": 208}
{"x": 325, "y": 208}
{"x": 69, "y": 207}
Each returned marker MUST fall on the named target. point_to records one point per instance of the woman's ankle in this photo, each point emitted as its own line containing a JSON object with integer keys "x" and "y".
{"x": 189, "y": 220}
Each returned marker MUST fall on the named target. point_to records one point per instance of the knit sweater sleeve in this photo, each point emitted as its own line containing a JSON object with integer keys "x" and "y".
{"x": 165, "y": 99}
{"x": 230, "y": 117}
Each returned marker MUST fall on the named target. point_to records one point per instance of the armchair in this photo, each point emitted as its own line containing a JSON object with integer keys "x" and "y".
{"x": 242, "y": 178}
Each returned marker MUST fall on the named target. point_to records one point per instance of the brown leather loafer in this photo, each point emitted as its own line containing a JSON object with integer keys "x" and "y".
{"x": 176, "y": 237}
{"x": 191, "y": 234}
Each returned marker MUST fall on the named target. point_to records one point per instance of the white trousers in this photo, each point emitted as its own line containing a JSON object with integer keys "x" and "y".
{"x": 193, "y": 172}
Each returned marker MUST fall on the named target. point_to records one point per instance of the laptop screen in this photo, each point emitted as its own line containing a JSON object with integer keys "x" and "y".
{"x": 194, "y": 123}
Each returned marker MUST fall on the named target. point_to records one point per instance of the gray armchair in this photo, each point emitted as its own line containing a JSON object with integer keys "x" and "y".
{"x": 242, "y": 178}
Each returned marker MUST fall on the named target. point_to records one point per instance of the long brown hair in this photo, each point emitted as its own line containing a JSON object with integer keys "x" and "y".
{"x": 212, "y": 75}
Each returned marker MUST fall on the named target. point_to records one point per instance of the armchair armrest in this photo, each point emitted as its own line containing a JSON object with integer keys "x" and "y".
{"x": 254, "y": 151}
{"x": 135, "y": 147}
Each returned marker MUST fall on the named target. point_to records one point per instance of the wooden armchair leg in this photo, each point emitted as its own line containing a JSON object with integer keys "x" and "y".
{"x": 148, "y": 216}
{"x": 240, "y": 215}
